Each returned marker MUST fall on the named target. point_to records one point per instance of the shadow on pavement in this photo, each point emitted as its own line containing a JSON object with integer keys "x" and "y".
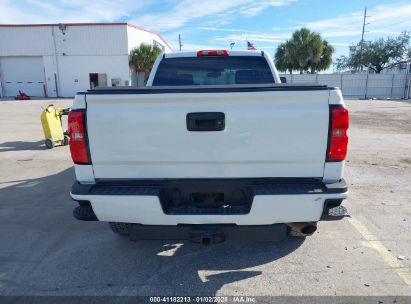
{"x": 45, "y": 251}
{"x": 22, "y": 146}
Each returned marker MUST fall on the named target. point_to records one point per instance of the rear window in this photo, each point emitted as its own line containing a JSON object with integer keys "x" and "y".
{"x": 213, "y": 71}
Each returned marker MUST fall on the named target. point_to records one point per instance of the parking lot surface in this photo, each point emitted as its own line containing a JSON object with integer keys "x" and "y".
{"x": 45, "y": 251}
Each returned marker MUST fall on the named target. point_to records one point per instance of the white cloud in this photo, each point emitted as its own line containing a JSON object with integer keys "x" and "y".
{"x": 262, "y": 37}
{"x": 184, "y": 12}
{"x": 387, "y": 19}
{"x": 258, "y": 7}
{"x": 169, "y": 17}
{"x": 219, "y": 29}
{"x": 221, "y": 12}
{"x": 48, "y": 11}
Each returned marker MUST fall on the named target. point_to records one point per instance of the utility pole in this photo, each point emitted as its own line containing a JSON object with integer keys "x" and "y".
{"x": 362, "y": 35}
{"x": 179, "y": 41}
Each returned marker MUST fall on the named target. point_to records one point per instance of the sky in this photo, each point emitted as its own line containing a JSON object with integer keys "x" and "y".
{"x": 214, "y": 24}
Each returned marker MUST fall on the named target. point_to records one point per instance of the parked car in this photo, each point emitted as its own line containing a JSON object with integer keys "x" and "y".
{"x": 214, "y": 148}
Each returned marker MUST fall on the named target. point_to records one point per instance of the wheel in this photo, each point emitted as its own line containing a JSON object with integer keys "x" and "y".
{"x": 120, "y": 228}
{"x": 66, "y": 139}
{"x": 49, "y": 144}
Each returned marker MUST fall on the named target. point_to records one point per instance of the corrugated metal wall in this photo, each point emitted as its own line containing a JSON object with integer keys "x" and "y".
{"x": 92, "y": 40}
{"x": 75, "y": 40}
{"x": 395, "y": 86}
{"x": 22, "y": 41}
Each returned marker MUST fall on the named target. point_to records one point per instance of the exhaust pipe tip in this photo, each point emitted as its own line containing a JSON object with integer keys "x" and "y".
{"x": 305, "y": 228}
{"x": 309, "y": 229}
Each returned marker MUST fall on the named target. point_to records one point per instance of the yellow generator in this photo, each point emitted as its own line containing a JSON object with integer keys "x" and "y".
{"x": 53, "y": 128}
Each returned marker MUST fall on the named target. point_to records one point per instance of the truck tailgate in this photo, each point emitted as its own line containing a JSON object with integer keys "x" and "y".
{"x": 273, "y": 133}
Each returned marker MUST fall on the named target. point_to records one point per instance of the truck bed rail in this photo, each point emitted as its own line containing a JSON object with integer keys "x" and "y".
{"x": 207, "y": 89}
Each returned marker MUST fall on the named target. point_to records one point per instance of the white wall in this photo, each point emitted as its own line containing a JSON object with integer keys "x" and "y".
{"x": 26, "y": 41}
{"x": 137, "y": 36}
{"x": 81, "y": 50}
{"x": 92, "y": 40}
{"x": 74, "y": 68}
{"x": 78, "y": 40}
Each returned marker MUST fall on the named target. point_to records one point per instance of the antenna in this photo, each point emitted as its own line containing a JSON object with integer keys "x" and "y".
{"x": 179, "y": 42}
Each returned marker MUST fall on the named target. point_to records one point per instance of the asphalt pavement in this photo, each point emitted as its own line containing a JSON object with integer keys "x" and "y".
{"x": 45, "y": 251}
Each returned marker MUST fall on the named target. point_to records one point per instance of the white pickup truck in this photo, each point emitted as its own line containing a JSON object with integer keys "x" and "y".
{"x": 215, "y": 147}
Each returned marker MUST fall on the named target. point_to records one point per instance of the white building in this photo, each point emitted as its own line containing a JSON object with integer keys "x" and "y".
{"x": 58, "y": 60}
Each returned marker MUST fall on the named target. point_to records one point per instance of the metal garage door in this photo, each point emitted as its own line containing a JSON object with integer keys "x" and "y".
{"x": 22, "y": 73}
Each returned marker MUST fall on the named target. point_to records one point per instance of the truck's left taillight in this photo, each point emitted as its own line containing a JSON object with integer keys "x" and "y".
{"x": 78, "y": 137}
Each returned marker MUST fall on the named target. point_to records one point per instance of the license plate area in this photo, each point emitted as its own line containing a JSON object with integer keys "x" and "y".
{"x": 205, "y": 197}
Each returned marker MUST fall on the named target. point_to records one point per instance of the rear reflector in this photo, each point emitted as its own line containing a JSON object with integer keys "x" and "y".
{"x": 212, "y": 53}
{"x": 78, "y": 140}
{"x": 337, "y": 137}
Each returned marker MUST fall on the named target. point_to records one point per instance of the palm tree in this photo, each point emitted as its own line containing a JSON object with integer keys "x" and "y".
{"x": 326, "y": 58}
{"x": 143, "y": 58}
{"x": 315, "y": 50}
{"x": 283, "y": 60}
{"x": 299, "y": 48}
{"x": 305, "y": 51}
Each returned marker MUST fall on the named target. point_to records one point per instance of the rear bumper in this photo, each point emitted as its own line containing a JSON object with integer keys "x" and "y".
{"x": 274, "y": 201}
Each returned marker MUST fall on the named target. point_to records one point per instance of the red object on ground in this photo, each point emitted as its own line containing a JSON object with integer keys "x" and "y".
{"x": 22, "y": 96}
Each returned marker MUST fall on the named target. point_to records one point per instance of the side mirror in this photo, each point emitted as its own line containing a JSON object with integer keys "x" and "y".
{"x": 283, "y": 79}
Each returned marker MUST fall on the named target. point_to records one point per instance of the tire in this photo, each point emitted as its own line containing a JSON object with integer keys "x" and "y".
{"x": 49, "y": 144}
{"x": 120, "y": 228}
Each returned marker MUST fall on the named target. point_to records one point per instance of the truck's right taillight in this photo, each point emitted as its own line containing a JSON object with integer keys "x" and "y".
{"x": 78, "y": 137}
{"x": 337, "y": 137}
